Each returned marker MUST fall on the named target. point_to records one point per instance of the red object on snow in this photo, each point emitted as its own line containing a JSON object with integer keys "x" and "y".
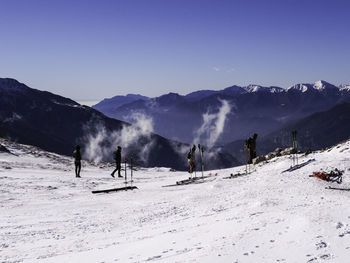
{"x": 333, "y": 176}
{"x": 322, "y": 175}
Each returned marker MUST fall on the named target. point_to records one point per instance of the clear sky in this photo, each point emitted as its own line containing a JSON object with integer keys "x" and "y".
{"x": 89, "y": 50}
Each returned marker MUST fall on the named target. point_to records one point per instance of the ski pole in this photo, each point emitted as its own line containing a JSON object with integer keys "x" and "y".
{"x": 293, "y": 148}
{"x": 202, "y": 152}
{"x": 125, "y": 172}
{"x": 293, "y": 162}
{"x": 131, "y": 158}
{"x": 194, "y": 161}
{"x": 296, "y": 150}
{"x": 246, "y": 160}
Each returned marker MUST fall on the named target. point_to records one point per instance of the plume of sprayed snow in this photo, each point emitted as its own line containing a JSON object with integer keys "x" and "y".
{"x": 94, "y": 149}
{"x": 99, "y": 143}
{"x": 213, "y": 125}
{"x": 207, "y": 134}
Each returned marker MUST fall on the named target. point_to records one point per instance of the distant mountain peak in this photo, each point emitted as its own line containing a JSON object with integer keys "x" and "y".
{"x": 344, "y": 87}
{"x": 136, "y": 96}
{"x": 254, "y": 88}
{"x": 171, "y": 97}
{"x": 322, "y": 85}
{"x": 301, "y": 87}
{"x": 257, "y": 88}
{"x": 234, "y": 90}
{"x": 173, "y": 94}
{"x": 9, "y": 84}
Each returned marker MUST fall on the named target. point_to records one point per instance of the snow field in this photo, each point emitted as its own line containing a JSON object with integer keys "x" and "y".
{"x": 47, "y": 215}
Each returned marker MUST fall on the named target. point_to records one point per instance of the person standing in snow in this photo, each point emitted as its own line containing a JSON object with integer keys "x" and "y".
{"x": 77, "y": 161}
{"x": 192, "y": 159}
{"x": 251, "y": 147}
{"x": 118, "y": 160}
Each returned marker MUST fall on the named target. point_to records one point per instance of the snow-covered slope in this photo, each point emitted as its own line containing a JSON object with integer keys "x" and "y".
{"x": 319, "y": 86}
{"x": 47, "y": 215}
{"x": 256, "y": 88}
{"x": 344, "y": 87}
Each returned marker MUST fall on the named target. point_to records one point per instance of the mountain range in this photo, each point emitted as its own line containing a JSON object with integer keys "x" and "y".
{"x": 219, "y": 120}
{"x": 57, "y": 124}
{"x": 254, "y": 108}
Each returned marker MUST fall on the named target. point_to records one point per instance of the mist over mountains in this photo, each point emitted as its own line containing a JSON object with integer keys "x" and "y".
{"x": 252, "y": 109}
{"x": 219, "y": 120}
{"x": 57, "y": 124}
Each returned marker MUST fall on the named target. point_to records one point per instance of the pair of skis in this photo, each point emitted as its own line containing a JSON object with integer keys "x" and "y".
{"x": 192, "y": 180}
{"x": 126, "y": 187}
{"x": 298, "y": 166}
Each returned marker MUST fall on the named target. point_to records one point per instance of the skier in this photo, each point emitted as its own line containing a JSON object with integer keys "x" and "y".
{"x": 118, "y": 160}
{"x": 251, "y": 146}
{"x": 192, "y": 159}
{"x": 77, "y": 161}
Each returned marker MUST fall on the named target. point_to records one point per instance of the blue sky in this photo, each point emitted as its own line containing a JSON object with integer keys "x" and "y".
{"x": 89, "y": 50}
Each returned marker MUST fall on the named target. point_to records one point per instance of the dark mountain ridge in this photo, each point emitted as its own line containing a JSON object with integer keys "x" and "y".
{"x": 57, "y": 124}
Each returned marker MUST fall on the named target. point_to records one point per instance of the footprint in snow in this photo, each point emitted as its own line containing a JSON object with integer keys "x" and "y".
{"x": 344, "y": 234}
{"x": 325, "y": 256}
{"x": 339, "y": 225}
{"x": 321, "y": 245}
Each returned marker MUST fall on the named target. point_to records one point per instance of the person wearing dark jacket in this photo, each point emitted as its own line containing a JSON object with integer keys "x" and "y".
{"x": 251, "y": 147}
{"x": 77, "y": 161}
{"x": 191, "y": 156}
{"x": 118, "y": 160}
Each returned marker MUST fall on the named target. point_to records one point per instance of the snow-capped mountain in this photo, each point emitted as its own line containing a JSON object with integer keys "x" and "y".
{"x": 256, "y": 88}
{"x": 268, "y": 215}
{"x": 301, "y": 88}
{"x": 320, "y": 86}
{"x": 344, "y": 87}
{"x": 253, "y": 108}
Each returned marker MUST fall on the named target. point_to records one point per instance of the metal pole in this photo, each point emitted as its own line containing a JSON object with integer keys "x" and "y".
{"x": 246, "y": 159}
{"x": 131, "y": 158}
{"x": 202, "y": 152}
{"x": 195, "y": 166}
{"x": 296, "y": 146}
{"x": 126, "y": 181}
